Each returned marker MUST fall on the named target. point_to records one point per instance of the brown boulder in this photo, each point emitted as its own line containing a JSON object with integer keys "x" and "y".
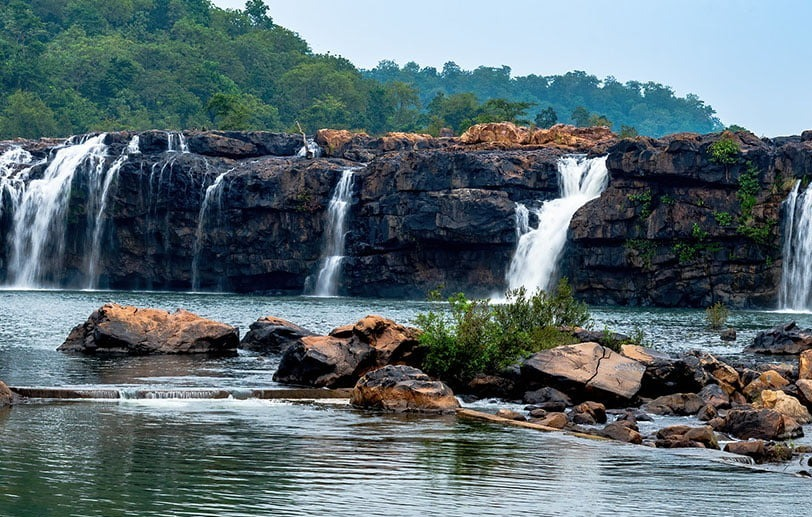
{"x": 676, "y": 404}
{"x": 678, "y": 436}
{"x": 713, "y": 395}
{"x": 325, "y": 361}
{"x": 510, "y": 415}
{"x": 587, "y": 367}
{"x": 336, "y": 142}
{"x": 402, "y": 388}
{"x": 805, "y": 365}
{"x": 393, "y": 343}
{"x": 555, "y": 420}
{"x": 752, "y": 448}
{"x": 622, "y": 432}
{"x": 769, "y": 380}
{"x": 805, "y": 390}
{"x": 117, "y": 329}
{"x": 6, "y": 396}
{"x": 643, "y": 355}
{"x": 506, "y": 135}
{"x": 589, "y": 413}
{"x": 784, "y": 404}
{"x": 765, "y": 424}
{"x": 270, "y": 335}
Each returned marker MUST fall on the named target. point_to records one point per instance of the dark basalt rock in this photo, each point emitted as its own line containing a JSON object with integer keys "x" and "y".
{"x": 783, "y": 339}
{"x": 270, "y": 335}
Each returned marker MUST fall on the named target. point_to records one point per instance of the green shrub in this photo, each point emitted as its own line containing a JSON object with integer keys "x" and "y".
{"x": 724, "y": 151}
{"x": 476, "y": 336}
{"x": 716, "y": 315}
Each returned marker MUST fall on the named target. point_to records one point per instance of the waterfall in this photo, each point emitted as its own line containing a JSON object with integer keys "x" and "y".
{"x": 795, "y": 291}
{"x": 176, "y": 142}
{"x": 41, "y": 218}
{"x": 333, "y": 253}
{"x": 12, "y": 184}
{"x": 310, "y": 150}
{"x": 212, "y": 198}
{"x": 535, "y": 260}
{"x": 96, "y": 210}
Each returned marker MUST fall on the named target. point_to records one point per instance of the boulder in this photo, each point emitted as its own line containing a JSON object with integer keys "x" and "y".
{"x": 496, "y": 386}
{"x": 270, "y": 335}
{"x": 402, "y": 388}
{"x": 506, "y": 135}
{"x": 783, "y": 339}
{"x": 714, "y": 396}
{"x": 678, "y": 436}
{"x": 707, "y": 413}
{"x": 622, "y": 432}
{"x": 549, "y": 399}
{"x": 769, "y": 380}
{"x": 117, "y": 329}
{"x": 676, "y": 404}
{"x": 589, "y": 413}
{"x": 393, "y": 343}
{"x": 753, "y": 448}
{"x": 784, "y": 404}
{"x": 325, "y": 361}
{"x": 588, "y": 368}
{"x": 687, "y": 374}
{"x": 556, "y": 420}
{"x": 6, "y": 396}
{"x": 805, "y": 390}
{"x": 728, "y": 334}
{"x": 511, "y": 415}
{"x": 805, "y": 365}
{"x": 641, "y": 354}
{"x": 765, "y": 424}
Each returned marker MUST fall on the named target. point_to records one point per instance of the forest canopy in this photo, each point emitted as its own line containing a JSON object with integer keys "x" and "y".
{"x": 72, "y": 66}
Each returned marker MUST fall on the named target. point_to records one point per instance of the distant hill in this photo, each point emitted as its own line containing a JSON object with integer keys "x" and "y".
{"x": 72, "y": 66}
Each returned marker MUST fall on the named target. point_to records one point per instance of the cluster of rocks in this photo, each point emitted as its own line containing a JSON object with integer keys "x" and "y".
{"x": 573, "y": 387}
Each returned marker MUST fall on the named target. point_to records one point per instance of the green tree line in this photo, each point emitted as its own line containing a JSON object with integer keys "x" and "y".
{"x": 72, "y": 66}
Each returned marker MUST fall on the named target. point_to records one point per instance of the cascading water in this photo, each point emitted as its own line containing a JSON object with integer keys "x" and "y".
{"x": 176, "y": 142}
{"x": 795, "y": 291}
{"x": 536, "y": 258}
{"x": 333, "y": 254}
{"x": 12, "y": 184}
{"x": 40, "y": 221}
{"x": 212, "y": 202}
{"x": 310, "y": 150}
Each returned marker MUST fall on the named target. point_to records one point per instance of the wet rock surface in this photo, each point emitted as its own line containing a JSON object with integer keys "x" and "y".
{"x": 402, "y": 389}
{"x": 125, "y": 330}
{"x": 271, "y": 335}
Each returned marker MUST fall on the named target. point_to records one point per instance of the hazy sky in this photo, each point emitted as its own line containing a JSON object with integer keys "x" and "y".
{"x": 751, "y": 60}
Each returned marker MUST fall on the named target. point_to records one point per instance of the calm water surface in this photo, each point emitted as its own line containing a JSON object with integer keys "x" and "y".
{"x": 252, "y": 457}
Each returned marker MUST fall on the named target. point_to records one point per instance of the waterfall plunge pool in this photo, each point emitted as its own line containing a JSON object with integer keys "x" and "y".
{"x": 260, "y": 457}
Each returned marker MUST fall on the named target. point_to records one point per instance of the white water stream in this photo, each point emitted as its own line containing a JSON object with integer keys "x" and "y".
{"x": 535, "y": 261}
{"x": 212, "y": 206}
{"x": 333, "y": 253}
{"x": 795, "y": 291}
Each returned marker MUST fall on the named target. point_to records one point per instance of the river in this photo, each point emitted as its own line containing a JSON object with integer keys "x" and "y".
{"x": 232, "y": 457}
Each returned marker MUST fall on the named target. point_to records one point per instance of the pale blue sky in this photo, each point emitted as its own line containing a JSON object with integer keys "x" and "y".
{"x": 750, "y": 60}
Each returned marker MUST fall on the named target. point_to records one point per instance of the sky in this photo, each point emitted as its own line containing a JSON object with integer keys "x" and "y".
{"x": 750, "y": 60}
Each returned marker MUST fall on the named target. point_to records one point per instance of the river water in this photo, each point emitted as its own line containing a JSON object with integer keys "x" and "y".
{"x": 250, "y": 457}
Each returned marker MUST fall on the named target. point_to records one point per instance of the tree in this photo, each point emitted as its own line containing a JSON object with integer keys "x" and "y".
{"x": 502, "y": 110}
{"x": 580, "y": 116}
{"x": 546, "y": 118}
{"x": 599, "y": 120}
{"x": 26, "y": 116}
{"x": 257, "y": 11}
{"x": 241, "y": 112}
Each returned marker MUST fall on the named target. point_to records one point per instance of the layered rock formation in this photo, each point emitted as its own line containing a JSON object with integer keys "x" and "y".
{"x": 240, "y": 212}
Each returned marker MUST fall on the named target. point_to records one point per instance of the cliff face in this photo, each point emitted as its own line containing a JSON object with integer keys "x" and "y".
{"x": 240, "y": 212}
{"x": 677, "y": 227}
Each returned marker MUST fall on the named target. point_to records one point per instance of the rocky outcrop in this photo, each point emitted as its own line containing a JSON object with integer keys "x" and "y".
{"x": 325, "y": 361}
{"x": 117, "y": 329}
{"x": 586, "y": 368}
{"x": 679, "y": 436}
{"x": 240, "y": 212}
{"x": 783, "y": 339}
{"x": 6, "y": 396}
{"x": 339, "y": 359}
{"x": 671, "y": 229}
{"x": 271, "y": 335}
{"x": 764, "y": 424}
{"x": 402, "y": 389}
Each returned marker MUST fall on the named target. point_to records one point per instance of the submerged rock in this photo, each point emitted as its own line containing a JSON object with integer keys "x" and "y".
{"x": 588, "y": 368}
{"x": 117, "y": 329}
{"x": 402, "y": 389}
{"x": 270, "y": 335}
{"x": 782, "y": 339}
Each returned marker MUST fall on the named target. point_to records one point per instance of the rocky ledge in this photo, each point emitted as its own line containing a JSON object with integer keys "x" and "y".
{"x": 126, "y": 330}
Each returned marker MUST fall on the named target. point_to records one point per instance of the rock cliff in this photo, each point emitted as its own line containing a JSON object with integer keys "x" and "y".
{"x": 241, "y": 212}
